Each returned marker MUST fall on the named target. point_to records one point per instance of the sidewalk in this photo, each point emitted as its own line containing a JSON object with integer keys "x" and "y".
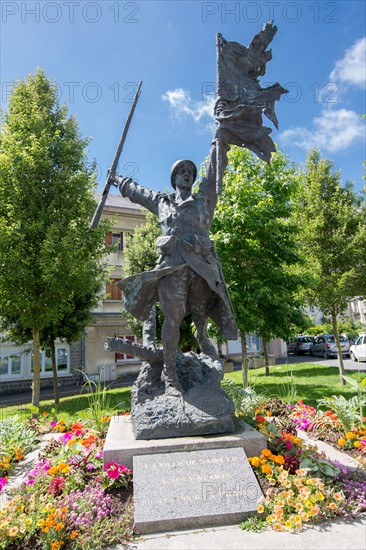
{"x": 335, "y": 535}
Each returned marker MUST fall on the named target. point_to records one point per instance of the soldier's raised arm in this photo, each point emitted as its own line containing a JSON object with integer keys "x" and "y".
{"x": 138, "y": 193}
{"x": 208, "y": 183}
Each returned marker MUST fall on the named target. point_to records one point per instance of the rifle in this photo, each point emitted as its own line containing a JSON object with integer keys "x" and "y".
{"x": 112, "y": 170}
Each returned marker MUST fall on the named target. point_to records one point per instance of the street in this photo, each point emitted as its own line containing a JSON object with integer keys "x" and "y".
{"x": 293, "y": 359}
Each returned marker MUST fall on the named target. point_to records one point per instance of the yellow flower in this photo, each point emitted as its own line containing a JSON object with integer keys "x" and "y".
{"x": 28, "y": 521}
{"x": 357, "y": 444}
{"x": 53, "y": 471}
{"x": 65, "y": 470}
{"x": 74, "y": 534}
{"x": 288, "y": 524}
{"x": 260, "y": 508}
{"x": 319, "y": 495}
{"x": 341, "y": 442}
{"x": 299, "y": 507}
{"x": 255, "y": 461}
{"x": 56, "y": 545}
{"x": 350, "y": 435}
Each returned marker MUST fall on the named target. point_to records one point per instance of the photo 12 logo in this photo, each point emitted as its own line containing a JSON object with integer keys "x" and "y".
{"x": 73, "y": 91}
{"x": 69, "y": 11}
{"x": 252, "y": 12}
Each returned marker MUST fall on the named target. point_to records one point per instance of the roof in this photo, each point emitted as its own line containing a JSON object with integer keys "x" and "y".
{"x": 117, "y": 201}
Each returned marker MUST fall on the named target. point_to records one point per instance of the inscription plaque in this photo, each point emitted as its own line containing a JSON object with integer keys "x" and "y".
{"x": 193, "y": 489}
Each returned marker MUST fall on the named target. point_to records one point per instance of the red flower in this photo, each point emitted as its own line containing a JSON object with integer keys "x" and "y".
{"x": 56, "y": 486}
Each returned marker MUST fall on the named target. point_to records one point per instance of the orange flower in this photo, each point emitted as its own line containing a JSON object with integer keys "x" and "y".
{"x": 77, "y": 426}
{"x": 266, "y": 452}
{"x": 266, "y": 469}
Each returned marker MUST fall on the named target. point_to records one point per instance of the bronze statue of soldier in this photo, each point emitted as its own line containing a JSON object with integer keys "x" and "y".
{"x": 188, "y": 277}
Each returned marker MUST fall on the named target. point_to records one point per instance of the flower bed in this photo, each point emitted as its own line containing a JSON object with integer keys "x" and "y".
{"x": 69, "y": 500}
{"x": 16, "y": 440}
{"x": 301, "y": 485}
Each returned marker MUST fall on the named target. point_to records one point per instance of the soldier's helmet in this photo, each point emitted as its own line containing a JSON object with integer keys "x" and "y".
{"x": 176, "y": 167}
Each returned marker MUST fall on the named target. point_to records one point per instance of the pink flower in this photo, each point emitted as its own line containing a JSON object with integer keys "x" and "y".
{"x": 3, "y": 482}
{"x": 113, "y": 473}
{"x": 53, "y": 424}
{"x": 288, "y": 444}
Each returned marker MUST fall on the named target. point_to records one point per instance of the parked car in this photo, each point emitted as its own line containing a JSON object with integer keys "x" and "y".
{"x": 358, "y": 350}
{"x": 325, "y": 345}
{"x": 300, "y": 345}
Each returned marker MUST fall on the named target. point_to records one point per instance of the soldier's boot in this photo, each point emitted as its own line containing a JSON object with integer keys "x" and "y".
{"x": 173, "y": 386}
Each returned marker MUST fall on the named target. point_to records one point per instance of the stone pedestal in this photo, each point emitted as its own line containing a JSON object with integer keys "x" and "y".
{"x": 122, "y": 446}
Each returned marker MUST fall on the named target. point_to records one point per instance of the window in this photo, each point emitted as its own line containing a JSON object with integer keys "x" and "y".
{"x": 112, "y": 290}
{"x": 10, "y": 365}
{"x": 117, "y": 239}
{"x": 62, "y": 360}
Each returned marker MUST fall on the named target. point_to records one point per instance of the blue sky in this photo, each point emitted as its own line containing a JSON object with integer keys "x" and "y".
{"x": 97, "y": 51}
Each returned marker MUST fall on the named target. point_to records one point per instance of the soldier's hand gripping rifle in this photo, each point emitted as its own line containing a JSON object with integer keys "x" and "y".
{"x": 112, "y": 171}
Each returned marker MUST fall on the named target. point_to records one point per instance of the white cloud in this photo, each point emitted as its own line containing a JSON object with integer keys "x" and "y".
{"x": 182, "y": 105}
{"x": 333, "y": 130}
{"x": 351, "y": 68}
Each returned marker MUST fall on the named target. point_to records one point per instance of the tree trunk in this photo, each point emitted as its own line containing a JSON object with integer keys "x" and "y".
{"x": 264, "y": 343}
{"x": 244, "y": 359}
{"x": 54, "y": 373}
{"x": 339, "y": 349}
{"x": 36, "y": 384}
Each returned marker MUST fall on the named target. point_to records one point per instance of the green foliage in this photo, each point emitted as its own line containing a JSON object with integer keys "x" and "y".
{"x": 333, "y": 230}
{"x": 245, "y": 400}
{"x": 256, "y": 235}
{"x": 333, "y": 238}
{"x": 99, "y": 401}
{"x": 348, "y": 410}
{"x": 50, "y": 257}
{"x": 344, "y": 327}
{"x": 254, "y": 524}
{"x": 15, "y": 435}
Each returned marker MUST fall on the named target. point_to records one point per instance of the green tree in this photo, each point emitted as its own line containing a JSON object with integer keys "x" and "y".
{"x": 256, "y": 238}
{"x": 50, "y": 258}
{"x": 332, "y": 238}
{"x": 141, "y": 255}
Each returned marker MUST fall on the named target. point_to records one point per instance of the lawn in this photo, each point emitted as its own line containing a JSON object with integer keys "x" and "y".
{"x": 77, "y": 406}
{"x": 304, "y": 381}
